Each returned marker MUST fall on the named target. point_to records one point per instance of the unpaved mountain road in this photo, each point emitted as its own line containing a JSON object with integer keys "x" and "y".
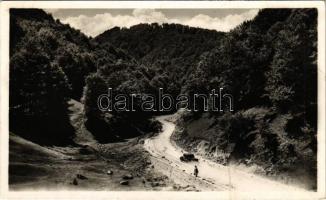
{"x": 36, "y": 167}
{"x": 212, "y": 176}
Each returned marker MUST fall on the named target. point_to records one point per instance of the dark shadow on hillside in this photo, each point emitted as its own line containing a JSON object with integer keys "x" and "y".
{"x": 119, "y": 129}
{"x": 43, "y": 130}
{"x": 101, "y": 131}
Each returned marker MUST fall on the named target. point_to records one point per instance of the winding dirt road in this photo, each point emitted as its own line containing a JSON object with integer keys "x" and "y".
{"x": 212, "y": 176}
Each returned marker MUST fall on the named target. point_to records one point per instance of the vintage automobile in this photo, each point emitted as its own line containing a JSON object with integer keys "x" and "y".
{"x": 188, "y": 157}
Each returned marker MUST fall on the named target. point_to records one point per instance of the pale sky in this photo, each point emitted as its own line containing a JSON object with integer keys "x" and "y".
{"x": 95, "y": 21}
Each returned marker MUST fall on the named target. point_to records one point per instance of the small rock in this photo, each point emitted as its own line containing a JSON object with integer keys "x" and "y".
{"x": 82, "y": 177}
{"x": 155, "y": 184}
{"x": 75, "y": 182}
{"x": 148, "y": 162}
{"x": 86, "y": 150}
{"x": 124, "y": 182}
{"x": 127, "y": 177}
{"x": 109, "y": 172}
{"x": 163, "y": 156}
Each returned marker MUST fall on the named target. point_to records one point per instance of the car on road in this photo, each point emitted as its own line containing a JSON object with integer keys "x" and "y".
{"x": 188, "y": 157}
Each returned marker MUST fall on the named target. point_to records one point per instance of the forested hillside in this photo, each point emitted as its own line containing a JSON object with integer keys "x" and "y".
{"x": 49, "y": 62}
{"x": 168, "y": 52}
{"x": 269, "y": 64}
{"x": 165, "y": 55}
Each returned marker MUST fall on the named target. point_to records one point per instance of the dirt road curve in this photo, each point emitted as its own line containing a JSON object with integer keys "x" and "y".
{"x": 212, "y": 176}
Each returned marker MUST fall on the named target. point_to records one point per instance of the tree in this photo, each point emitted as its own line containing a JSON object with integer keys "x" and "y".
{"x": 39, "y": 91}
{"x": 291, "y": 80}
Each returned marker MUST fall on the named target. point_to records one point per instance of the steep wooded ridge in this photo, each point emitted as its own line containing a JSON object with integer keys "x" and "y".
{"x": 268, "y": 64}
{"x": 49, "y": 62}
{"x": 169, "y": 51}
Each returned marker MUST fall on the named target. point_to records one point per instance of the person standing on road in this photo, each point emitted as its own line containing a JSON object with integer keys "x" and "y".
{"x": 196, "y": 171}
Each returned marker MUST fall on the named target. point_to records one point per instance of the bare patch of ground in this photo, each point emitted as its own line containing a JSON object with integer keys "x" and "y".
{"x": 87, "y": 165}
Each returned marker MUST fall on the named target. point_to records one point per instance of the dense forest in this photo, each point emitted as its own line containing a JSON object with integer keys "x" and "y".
{"x": 268, "y": 64}
{"x": 49, "y": 64}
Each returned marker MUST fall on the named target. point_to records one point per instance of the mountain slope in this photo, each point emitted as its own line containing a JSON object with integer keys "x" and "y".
{"x": 168, "y": 51}
{"x": 269, "y": 66}
{"x": 49, "y": 62}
